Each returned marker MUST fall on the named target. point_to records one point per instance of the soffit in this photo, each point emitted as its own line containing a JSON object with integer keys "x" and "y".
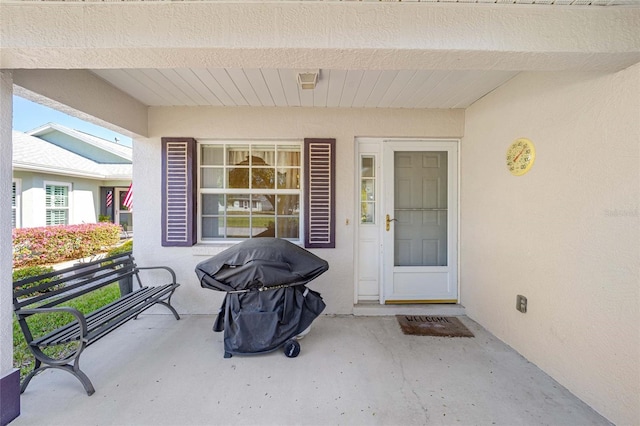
{"x": 278, "y": 87}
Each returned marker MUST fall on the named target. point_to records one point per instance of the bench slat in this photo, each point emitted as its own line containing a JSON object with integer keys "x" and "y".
{"x": 72, "y": 290}
{"x": 61, "y": 335}
{"x": 100, "y": 320}
{"x": 67, "y": 286}
{"x": 124, "y": 314}
{"x": 66, "y": 275}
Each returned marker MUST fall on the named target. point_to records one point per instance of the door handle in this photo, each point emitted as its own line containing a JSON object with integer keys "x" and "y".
{"x": 389, "y": 220}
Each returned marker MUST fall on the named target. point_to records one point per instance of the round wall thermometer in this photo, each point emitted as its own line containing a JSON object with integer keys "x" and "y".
{"x": 520, "y": 156}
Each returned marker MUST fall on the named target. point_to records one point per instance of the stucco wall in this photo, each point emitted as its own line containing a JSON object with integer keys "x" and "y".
{"x": 337, "y": 285}
{"x": 566, "y": 235}
{"x": 85, "y": 198}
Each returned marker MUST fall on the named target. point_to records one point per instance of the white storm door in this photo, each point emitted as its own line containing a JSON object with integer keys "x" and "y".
{"x": 419, "y": 222}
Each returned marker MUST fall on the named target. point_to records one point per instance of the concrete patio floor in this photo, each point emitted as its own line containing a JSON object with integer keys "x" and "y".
{"x": 352, "y": 370}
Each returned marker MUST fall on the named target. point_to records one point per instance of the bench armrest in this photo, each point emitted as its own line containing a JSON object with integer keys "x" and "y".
{"x": 73, "y": 311}
{"x": 171, "y": 271}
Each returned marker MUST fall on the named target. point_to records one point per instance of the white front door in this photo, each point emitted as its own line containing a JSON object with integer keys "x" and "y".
{"x": 419, "y": 220}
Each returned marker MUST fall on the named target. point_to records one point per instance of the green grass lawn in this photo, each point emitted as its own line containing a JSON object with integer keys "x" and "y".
{"x": 42, "y": 324}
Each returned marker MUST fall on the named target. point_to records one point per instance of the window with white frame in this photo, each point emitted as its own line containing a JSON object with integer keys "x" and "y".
{"x": 57, "y": 203}
{"x": 368, "y": 189}
{"x": 15, "y": 204}
{"x": 249, "y": 189}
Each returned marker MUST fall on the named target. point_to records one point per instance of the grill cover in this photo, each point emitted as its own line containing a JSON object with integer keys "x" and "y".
{"x": 259, "y": 262}
{"x": 267, "y": 302}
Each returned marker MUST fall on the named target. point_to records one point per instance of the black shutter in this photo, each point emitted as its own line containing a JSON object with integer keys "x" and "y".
{"x": 319, "y": 197}
{"x": 178, "y": 192}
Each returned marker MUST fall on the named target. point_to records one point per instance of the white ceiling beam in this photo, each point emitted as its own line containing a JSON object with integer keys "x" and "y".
{"x": 75, "y": 92}
{"x": 343, "y": 35}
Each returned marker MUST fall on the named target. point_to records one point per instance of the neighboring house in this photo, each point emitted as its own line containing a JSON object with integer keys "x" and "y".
{"x": 414, "y": 108}
{"x": 62, "y": 177}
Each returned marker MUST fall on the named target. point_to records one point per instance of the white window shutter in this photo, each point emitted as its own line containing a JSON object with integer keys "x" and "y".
{"x": 178, "y": 192}
{"x": 320, "y": 193}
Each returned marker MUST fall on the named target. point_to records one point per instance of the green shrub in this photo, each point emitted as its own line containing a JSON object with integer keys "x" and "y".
{"x": 53, "y": 244}
{"x": 125, "y": 247}
{"x": 32, "y": 271}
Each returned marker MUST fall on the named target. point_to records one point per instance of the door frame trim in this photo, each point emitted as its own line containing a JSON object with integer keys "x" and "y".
{"x": 409, "y": 144}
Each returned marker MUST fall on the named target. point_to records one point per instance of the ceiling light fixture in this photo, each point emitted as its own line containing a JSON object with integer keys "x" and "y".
{"x": 307, "y": 80}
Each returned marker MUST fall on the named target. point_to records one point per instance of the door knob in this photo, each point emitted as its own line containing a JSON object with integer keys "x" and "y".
{"x": 389, "y": 220}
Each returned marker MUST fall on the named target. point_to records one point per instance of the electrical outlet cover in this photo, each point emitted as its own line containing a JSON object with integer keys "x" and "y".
{"x": 521, "y": 303}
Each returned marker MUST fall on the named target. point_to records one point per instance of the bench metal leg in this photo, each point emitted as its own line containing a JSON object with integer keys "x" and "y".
{"x": 73, "y": 369}
{"x": 36, "y": 369}
{"x": 166, "y": 302}
{"x": 175, "y": 314}
{"x": 160, "y": 302}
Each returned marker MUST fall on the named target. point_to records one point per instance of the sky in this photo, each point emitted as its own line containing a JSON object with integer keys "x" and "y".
{"x": 29, "y": 115}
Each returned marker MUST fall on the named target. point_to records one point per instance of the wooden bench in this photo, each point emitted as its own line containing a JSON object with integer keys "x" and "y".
{"x": 65, "y": 285}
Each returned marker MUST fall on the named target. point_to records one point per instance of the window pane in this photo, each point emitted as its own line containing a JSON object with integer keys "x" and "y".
{"x": 289, "y": 178}
{"x": 263, "y": 178}
{"x": 238, "y": 155}
{"x": 212, "y": 155}
{"x": 212, "y": 204}
{"x": 263, "y": 226}
{"x": 288, "y": 155}
{"x": 368, "y": 169}
{"x": 56, "y": 196}
{"x": 368, "y": 190}
{"x": 238, "y": 177}
{"x": 56, "y": 217}
{"x": 213, "y": 227}
{"x": 212, "y": 178}
{"x": 288, "y": 205}
{"x": 238, "y": 220}
{"x": 238, "y": 203}
{"x": 263, "y": 204}
{"x": 368, "y": 212}
{"x": 288, "y": 227}
{"x": 238, "y": 226}
{"x": 263, "y": 155}
{"x": 213, "y": 216}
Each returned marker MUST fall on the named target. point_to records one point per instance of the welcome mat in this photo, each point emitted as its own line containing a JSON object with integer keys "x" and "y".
{"x": 420, "y": 325}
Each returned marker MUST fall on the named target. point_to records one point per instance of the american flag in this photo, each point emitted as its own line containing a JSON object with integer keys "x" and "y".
{"x": 128, "y": 199}
{"x": 109, "y": 198}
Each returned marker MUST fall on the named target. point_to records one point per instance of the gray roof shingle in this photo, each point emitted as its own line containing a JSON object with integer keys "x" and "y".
{"x": 35, "y": 154}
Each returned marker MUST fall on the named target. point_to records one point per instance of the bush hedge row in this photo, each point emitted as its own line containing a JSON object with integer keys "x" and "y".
{"x": 53, "y": 244}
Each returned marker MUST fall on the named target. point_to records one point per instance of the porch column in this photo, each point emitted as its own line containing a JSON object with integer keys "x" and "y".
{"x": 9, "y": 378}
